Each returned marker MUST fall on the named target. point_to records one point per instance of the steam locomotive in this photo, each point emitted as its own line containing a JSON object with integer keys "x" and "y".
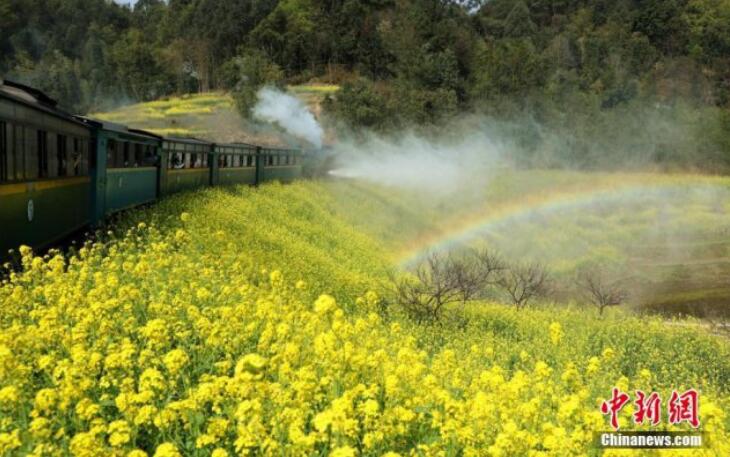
{"x": 60, "y": 173}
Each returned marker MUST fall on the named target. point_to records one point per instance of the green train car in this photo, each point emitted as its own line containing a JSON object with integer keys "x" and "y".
{"x": 283, "y": 165}
{"x": 45, "y": 190}
{"x": 185, "y": 165}
{"x": 125, "y": 172}
{"x": 61, "y": 173}
{"x": 235, "y": 164}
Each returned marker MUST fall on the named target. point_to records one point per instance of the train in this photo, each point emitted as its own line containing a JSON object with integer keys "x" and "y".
{"x": 61, "y": 173}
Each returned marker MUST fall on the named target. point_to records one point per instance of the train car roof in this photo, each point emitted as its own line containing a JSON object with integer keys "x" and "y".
{"x": 236, "y": 145}
{"x": 248, "y": 145}
{"x": 33, "y": 98}
{"x": 188, "y": 140}
{"x": 278, "y": 149}
{"x": 117, "y": 128}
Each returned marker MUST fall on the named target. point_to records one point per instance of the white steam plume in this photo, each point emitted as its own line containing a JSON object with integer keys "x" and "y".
{"x": 440, "y": 165}
{"x": 289, "y": 113}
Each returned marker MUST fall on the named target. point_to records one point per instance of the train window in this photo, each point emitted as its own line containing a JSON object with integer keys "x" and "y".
{"x": 126, "y": 155}
{"x": 18, "y": 152}
{"x": 194, "y": 161}
{"x": 271, "y": 161}
{"x": 205, "y": 160}
{"x": 61, "y": 155}
{"x": 152, "y": 156}
{"x": 111, "y": 153}
{"x": 249, "y": 161}
{"x": 178, "y": 160}
{"x": 77, "y": 158}
{"x": 138, "y": 154}
{"x": 42, "y": 151}
{"x": 3, "y": 153}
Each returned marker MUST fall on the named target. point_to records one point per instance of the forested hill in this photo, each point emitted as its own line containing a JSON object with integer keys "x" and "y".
{"x": 400, "y": 61}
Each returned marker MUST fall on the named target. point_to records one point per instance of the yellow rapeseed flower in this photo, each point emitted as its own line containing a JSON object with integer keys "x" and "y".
{"x": 167, "y": 450}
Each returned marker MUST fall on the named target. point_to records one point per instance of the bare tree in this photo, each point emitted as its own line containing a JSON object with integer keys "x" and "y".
{"x": 599, "y": 290}
{"x": 461, "y": 277}
{"x": 437, "y": 282}
{"x": 524, "y": 282}
{"x": 489, "y": 265}
{"x": 466, "y": 279}
{"x": 476, "y": 270}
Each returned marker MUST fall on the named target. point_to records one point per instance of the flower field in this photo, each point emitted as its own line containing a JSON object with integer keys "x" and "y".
{"x": 250, "y": 322}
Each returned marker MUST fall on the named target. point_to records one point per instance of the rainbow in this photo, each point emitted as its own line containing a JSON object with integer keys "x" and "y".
{"x": 470, "y": 226}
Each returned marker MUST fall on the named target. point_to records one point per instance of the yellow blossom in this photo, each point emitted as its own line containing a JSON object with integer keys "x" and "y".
{"x": 166, "y": 450}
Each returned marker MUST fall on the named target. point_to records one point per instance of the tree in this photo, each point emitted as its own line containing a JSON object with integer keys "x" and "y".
{"x": 443, "y": 279}
{"x": 433, "y": 286}
{"x": 288, "y": 35}
{"x": 663, "y": 22}
{"x": 524, "y": 282}
{"x": 359, "y": 103}
{"x": 519, "y": 23}
{"x": 601, "y": 291}
{"x": 507, "y": 67}
{"x": 138, "y": 67}
{"x": 246, "y": 74}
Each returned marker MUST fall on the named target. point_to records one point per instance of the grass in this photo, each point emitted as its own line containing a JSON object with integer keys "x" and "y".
{"x": 314, "y": 89}
{"x": 190, "y": 115}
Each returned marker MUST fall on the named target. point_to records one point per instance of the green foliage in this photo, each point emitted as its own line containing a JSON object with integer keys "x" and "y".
{"x": 245, "y": 75}
{"x": 360, "y": 103}
{"x": 567, "y": 66}
{"x": 139, "y": 71}
{"x": 287, "y": 34}
{"x": 507, "y": 67}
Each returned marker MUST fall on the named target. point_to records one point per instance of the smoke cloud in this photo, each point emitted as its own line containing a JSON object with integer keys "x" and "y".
{"x": 289, "y": 113}
{"x": 413, "y": 161}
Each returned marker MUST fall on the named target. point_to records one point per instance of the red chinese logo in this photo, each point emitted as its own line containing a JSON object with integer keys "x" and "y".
{"x": 681, "y": 407}
{"x": 648, "y": 408}
{"x": 613, "y": 406}
{"x": 684, "y": 408}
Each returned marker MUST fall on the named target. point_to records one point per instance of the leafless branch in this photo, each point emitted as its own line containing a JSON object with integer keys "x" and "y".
{"x": 599, "y": 290}
{"x": 523, "y": 283}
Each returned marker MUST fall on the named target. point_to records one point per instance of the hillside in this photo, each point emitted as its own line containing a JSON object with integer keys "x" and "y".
{"x": 252, "y": 320}
{"x": 211, "y": 116}
{"x": 586, "y": 83}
